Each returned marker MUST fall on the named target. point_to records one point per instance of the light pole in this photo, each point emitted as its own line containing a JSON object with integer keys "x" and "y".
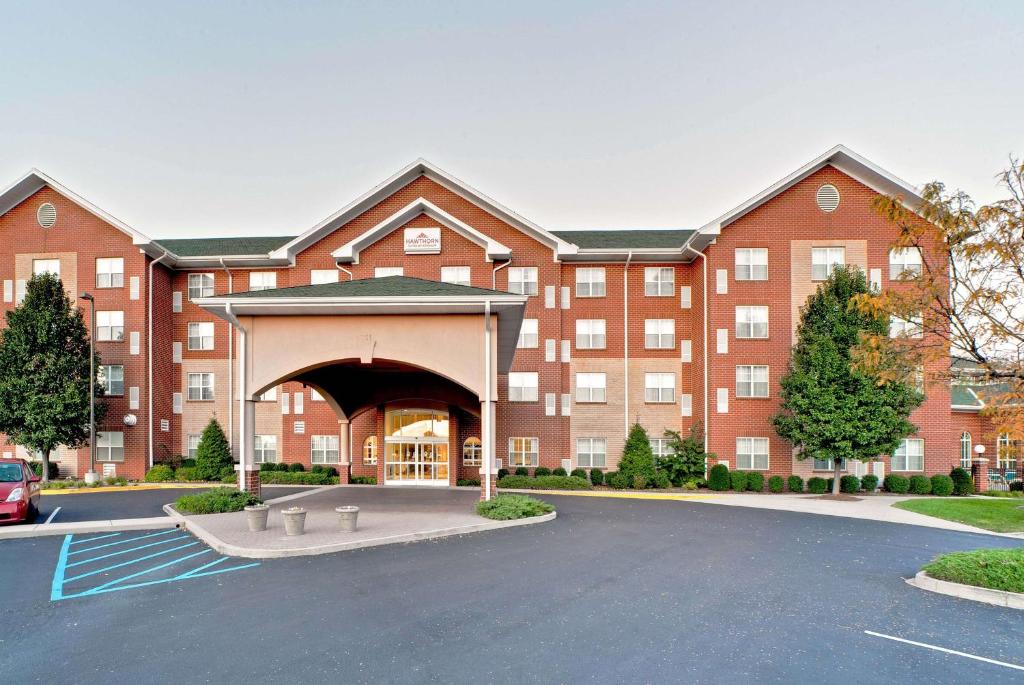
{"x": 90, "y": 475}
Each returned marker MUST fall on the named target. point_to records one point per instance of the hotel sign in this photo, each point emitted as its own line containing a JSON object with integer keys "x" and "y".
{"x": 422, "y": 241}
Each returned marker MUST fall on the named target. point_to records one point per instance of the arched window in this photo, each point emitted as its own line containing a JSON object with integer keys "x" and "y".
{"x": 370, "y": 450}
{"x": 472, "y": 452}
{"x": 965, "y": 450}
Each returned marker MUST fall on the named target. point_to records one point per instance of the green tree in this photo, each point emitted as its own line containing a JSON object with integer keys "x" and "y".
{"x": 637, "y": 455}
{"x": 688, "y": 457}
{"x": 213, "y": 456}
{"x": 44, "y": 372}
{"x": 830, "y": 408}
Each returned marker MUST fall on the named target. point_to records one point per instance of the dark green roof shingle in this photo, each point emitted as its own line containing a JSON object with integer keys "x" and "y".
{"x": 386, "y": 286}
{"x": 637, "y": 239}
{"x": 223, "y": 247}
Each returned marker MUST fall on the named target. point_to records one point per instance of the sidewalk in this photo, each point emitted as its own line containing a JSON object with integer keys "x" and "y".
{"x": 82, "y": 527}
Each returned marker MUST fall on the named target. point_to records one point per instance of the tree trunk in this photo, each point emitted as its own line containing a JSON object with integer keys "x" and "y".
{"x": 46, "y": 465}
{"x": 837, "y": 463}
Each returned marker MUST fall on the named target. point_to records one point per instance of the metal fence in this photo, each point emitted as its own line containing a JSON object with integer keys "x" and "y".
{"x": 1000, "y": 477}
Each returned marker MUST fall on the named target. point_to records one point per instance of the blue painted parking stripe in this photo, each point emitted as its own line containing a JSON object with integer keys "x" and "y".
{"x": 127, "y": 551}
{"x": 172, "y": 562}
{"x": 131, "y": 561}
{"x": 203, "y": 567}
{"x": 132, "y": 586}
{"x": 216, "y": 571}
{"x": 108, "y": 535}
{"x": 57, "y": 586}
{"x": 121, "y": 542}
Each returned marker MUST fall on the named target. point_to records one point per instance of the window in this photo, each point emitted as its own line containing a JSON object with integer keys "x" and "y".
{"x": 321, "y": 276}
{"x": 110, "y": 272}
{"x": 590, "y": 282}
{"x": 661, "y": 447}
{"x": 110, "y": 446}
{"x": 590, "y": 334}
{"x": 262, "y": 280}
{"x": 268, "y": 396}
{"x": 659, "y": 387}
{"x": 591, "y": 452}
{"x": 591, "y": 387}
{"x": 200, "y": 285}
{"x": 192, "y": 446}
{"x": 659, "y": 281}
{"x": 965, "y": 451}
{"x": 200, "y": 386}
{"x": 324, "y": 449}
{"x": 751, "y": 322}
{"x": 909, "y": 456}
{"x": 370, "y": 450}
{"x": 752, "y": 264}
{"x": 385, "y": 271}
{"x": 200, "y": 335}
{"x": 110, "y": 326}
{"x": 828, "y": 465}
{"x": 46, "y": 266}
{"x": 523, "y": 451}
{"x": 904, "y": 262}
{"x": 659, "y": 334}
{"x": 908, "y": 328}
{"x": 752, "y": 454}
{"x": 111, "y": 377}
{"x": 824, "y": 261}
{"x": 472, "y": 452}
{"x": 522, "y": 280}
{"x": 528, "y": 334}
{"x": 265, "y": 449}
{"x": 522, "y": 386}
{"x": 459, "y": 275}
{"x": 1006, "y": 452}
{"x": 751, "y": 381}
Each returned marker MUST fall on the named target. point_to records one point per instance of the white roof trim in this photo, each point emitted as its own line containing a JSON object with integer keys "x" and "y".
{"x": 843, "y": 159}
{"x": 349, "y": 252}
{"x": 420, "y": 167}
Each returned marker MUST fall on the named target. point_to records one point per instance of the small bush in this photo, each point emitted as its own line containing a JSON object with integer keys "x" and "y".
{"x": 718, "y": 477}
{"x": 850, "y": 484}
{"x": 268, "y": 466}
{"x": 816, "y": 485}
{"x": 579, "y": 473}
{"x": 522, "y": 471}
{"x": 53, "y": 470}
{"x": 942, "y": 485}
{"x": 617, "y": 480}
{"x": 869, "y": 482}
{"x": 661, "y": 480}
{"x": 509, "y": 507}
{"x": 160, "y": 473}
{"x": 596, "y": 476}
{"x": 559, "y": 472}
{"x": 216, "y": 501}
{"x": 755, "y": 481}
{"x": 896, "y": 484}
{"x": 115, "y": 480}
{"x": 186, "y": 474}
{"x": 920, "y": 485}
{"x": 188, "y": 463}
{"x": 963, "y": 483}
{"x": 1017, "y": 486}
{"x": 694, "y": 483}
{"x": 738, "y": 480}
{"x": 543, "y": 483}
{"x": 689, "y": 485}
{"x": 214, "y": 452}
{"x": 776, "y": 484}
{"x": 541, "y": 471}
{"x": 295, "y": 478}
{"x": 296, "y": 467}
{"x": 639, "y": 481}
{"x": 466, "y": 482}
{"x": 320, "y": 468}
{"x": 795, "y": 483}
{"x": 229, "y": 478}
{"x": 502, "y": 473}
{"x": 363, "y": 480}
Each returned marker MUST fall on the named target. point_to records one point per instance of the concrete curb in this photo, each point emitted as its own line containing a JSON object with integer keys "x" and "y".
{"x": 674, "y": 496}
{"x": 1002, "y": 598}
{"x": 81, "y": 527}
{"x": 297, "y": 495}
{"x": 130, "y": 488}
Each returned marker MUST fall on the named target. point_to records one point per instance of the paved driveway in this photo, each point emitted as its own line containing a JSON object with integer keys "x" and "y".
{"x": 612, "y": 591}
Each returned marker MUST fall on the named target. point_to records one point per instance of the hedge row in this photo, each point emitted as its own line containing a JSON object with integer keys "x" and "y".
{"x": 543, "y": 483}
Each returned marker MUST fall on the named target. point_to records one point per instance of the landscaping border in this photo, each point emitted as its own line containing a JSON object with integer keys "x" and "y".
{"x": 1002, "y": 598}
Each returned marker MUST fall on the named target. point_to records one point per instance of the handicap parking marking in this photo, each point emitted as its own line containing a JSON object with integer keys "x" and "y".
{"x": 174, "y": 552}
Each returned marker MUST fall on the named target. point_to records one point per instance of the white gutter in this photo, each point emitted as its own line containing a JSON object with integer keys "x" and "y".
{"x": 625, "y": 338}
{"x": 149, "y": 356}
{"x": 231, "y": 346}
{"x": 351, "y": 278}
{"x": 494, "y": 274}
{"x": 707, "y": 390}
{"x": 241, "y": 393}
{"x": 487, "y": 419}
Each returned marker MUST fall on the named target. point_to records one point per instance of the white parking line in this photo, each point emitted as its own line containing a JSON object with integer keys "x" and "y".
{"x": 52, "y": 514}
{"x": 947, "y": 651}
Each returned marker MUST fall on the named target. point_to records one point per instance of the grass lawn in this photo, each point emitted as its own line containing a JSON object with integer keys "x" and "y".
{"x": 999, "y": 569}
{"x": 999, "y": 515}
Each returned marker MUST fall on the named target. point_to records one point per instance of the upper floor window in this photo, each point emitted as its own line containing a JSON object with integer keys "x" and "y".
{"x": 385, "y": 271}
{"x": 909, "y": 456}
{"x": 262, "y": 280}
{"x": 751, "y": 381}
{"x": 751, "y": 322}
{"x": 909, "y": 328}
{"x": 659, "y": 281}
{"x": 522, "y": 386}
{"x": 200, "y": 386}
{"x": 591, "y": 387}
{"x": 321, "y": 276}
{"x": 459, "y": 275}
{"x": 111, "y": 377}
{"x": 110, "y": 272}
{"x": 46, "y": 266}
{"x": 824, "y": 261}
{"x": 590, "y": 282}
{"x": 528, "y": 337}
{"x": 904, "y": 262}
{"x": 522, "y": 280}
{"x": 660, "y": 387}
{"x": 659, "y": 334}
{"x": 110, "y": 326}
{"x": 590, "y": 334}
{"x": 200, "y": 285}
{"x": 751, "y": 263}
{"x": 200, "y": 335}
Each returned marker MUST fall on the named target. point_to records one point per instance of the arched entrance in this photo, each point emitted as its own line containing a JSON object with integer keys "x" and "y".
{"x": 416, "y": 447}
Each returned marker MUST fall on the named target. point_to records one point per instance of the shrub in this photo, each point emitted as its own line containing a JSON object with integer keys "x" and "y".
{"x": 829, "y": 482}
{"x": 363, "y": 480}
{"x": 522, "y": 471}
{"x": 1017, "y": 486}
{"x": 502, "y": 473}
{"x": 189, "y": 463}
{"x": 320, "y": 468}
{"x": 920, "y": 485}
{"x": 216, "y": 501}
{"x": 295, "y": 478}
{"x": 690, "y": 485}
{"x": 229, "y": 478}
{"x": 637, "y": 456}
{"x": 596, "y": 476}
{"x": 686, "y": 458}
{"x": 963, "y": 483}
{"x": 186, "y": 474}
{"x": 849, "y": 484}
{"x": 296, "y": 467}
{"x": 115, "y": 480}
{"x": 942, "y": 485}
{"x": 579, "y": 473}
{"x": 776, "y": 483}
{"x": 795, "y": 483}
{"x": 738, "y": 480}
{"x": 268, "y": 466}
{"x": 508, "y": 507}
{"x": 543, "y": 483}
{"x": 718, "y": 477}
{"x": 694, "y": 483}
{"x": 639, "y": 481}
{"x": 559, "y": 472}
{"x": 816, "y": 485}
{"x": 896, "y": 484}
{"x": 53, "y": 469}
{"x": 755, "y": 481}
{"x": 466, "y": 482}
{"x": 213, "y": 455}
{"x": 869, "y": 482}
{"x": 661, "y": 480}
{"x": 541, "y": 471}
{"x": 617, "y": 480}
{"x": 160, "y": 473}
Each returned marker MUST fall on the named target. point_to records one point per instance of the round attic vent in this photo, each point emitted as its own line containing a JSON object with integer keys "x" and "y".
{"x": 827, "y": 198}
{"x": 46, "y": 215}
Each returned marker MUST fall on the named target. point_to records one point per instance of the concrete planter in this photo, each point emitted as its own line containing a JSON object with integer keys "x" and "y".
{"x": 347, "y": 518}
{"x": 294, "y": 521}
{"x": 256, "y": 516}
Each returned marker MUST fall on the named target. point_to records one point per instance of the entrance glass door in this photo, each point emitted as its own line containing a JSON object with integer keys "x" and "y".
{"x": 424, "y": 463}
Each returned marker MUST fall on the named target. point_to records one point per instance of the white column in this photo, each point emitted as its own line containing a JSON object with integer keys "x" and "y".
{"x": 247, "y": 440}
{"x": 344, "y": 442}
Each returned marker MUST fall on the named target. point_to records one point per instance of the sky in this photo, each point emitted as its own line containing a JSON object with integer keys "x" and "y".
{"x": 251, "y": 118}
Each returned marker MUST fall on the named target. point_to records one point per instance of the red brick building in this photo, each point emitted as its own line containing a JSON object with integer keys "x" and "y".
{"x": 602, "y": 329}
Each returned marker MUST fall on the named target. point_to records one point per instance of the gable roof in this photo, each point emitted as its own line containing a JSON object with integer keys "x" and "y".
{"x": 385, "y": 286}
{"x": 223, "y": 247}
{"x": 622, "y": 239}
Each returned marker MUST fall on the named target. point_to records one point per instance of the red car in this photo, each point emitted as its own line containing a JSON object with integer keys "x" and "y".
{"x": 19, "y": 491}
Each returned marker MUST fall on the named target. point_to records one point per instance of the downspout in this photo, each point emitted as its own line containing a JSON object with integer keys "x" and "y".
{"x": 233, "y": 320}
{"x": 350, "y": 277}
{"x": 625, "y": 338}
{"x": 149, "y": 355}
{"x": 489, "y": 441}
{"x": 704, "y": 300}
{"x": 494, "y": 274}
{"x": 231, "y": 347}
